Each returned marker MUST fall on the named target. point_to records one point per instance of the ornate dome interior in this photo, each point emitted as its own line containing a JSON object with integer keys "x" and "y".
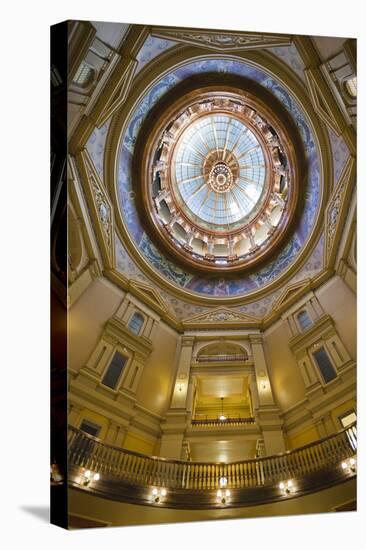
{"x": 211, "y": 285}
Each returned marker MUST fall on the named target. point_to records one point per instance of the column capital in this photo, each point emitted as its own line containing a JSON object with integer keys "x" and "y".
{"x": 188, "y": 340}
{"x": 256, "y": 338}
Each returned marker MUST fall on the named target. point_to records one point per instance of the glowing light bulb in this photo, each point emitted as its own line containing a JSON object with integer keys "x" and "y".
{"x": 344, "y": 465}
{"x": 223, "y": 481}
{"x": 87, "y": 474}
{"x": 227, "y": 493}
{"x": 96, "y": 477}
{"x": 163, "y": 492}
{"x": 154, "y": 492}
{"x": 222, "y": 417}
{"x": 352, "y": 461}
{"x": 219, "y": 493}
{"x": 289, "y": 483}
{"x": 282, "y": 486}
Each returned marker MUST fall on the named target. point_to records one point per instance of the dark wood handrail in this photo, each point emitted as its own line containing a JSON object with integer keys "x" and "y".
{"x": 350, "y": 431}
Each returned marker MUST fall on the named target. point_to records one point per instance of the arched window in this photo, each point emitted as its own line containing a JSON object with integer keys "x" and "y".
{"x": 351, "y": 86}
{"x": 136, "y": 322}
{"x": 304, "y": 320}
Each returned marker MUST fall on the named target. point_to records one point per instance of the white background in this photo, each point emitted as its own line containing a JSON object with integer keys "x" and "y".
{"x": 24, "y": 218}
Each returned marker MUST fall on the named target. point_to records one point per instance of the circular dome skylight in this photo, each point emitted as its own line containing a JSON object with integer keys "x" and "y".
{"x": 218, "y": 172}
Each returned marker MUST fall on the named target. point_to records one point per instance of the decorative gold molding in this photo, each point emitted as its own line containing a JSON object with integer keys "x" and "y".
{"x": 324, "y": 103}
{"x": 292, "y": 293}
{"x": 322, "y": 328}
{"x": 174, "y": 58}
{"x": 80, "y": 37}
{"x": 111, "y": 99}
{"x": 221, "y": 317}
{"x": 321, "y": 94}
{"x": 336, "y": 211}
{"x": 221, "y": 41}
{"x": 148, "y": 295}
{"x": 117, "y": 331}
{"x": 117, "y": 90}
{"x": 100, "y": 206}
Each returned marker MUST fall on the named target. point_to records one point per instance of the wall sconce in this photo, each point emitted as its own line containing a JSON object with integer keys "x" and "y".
{"x": 222, "y": 417}
{"x": 180, "y": 386}
{"x": 158, "y": 495}
{"x": 263, "y": 385}
{"x": 56, "y": 476}
{"x": 223, "y": 496}
{"x": 286, "y": 487}
{"x": 89, "y": 476}
{"x": 349, "y": 466}
{"x": 223, "y": 481}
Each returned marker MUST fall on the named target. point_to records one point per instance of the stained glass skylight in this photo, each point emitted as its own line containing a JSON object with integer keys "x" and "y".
{"x": 219, "y": 170}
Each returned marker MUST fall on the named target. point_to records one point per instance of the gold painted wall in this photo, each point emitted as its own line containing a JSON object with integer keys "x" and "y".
{"x": 339, "y": 301}
{"x": 305, "y": 436}
{"x": 133, "y": 442}
{"x": 156, "y": 383}
{"x": 87, "y": 318}
{"x": 287, "y": 383}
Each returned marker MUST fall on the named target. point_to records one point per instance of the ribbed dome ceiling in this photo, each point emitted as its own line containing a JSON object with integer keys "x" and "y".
{"x": 219, "y": 171}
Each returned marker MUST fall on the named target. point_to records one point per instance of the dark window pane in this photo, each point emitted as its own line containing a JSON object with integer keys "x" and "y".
{"x": 90, "y": 428}
{"x": 325, "y": 366}
{"x": 304, "y": 320}
{"x": 114, "y": 370}
{"x": 136, "y": 323}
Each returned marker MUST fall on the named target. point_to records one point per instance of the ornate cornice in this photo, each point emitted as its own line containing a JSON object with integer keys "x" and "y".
{"x": 336, "y": 211}
{"x": 221, "y": 317}
{"x": 323, "y": 327}
{"x": 291, "y": 294}
{"x": 117, "y": 332}
{"x": 100, "y": 207}
{"x": 172, "y": 59}
{"x": 221, "y": 41}
{"x": 279, "y": 141}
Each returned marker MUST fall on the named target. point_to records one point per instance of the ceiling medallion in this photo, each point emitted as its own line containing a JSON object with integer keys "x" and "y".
{"x": 220, "y": 179}
{"x": 220, "y": 183}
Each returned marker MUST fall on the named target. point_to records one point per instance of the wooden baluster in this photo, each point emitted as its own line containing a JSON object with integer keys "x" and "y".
{"x": 300, "y": 463}
{"x": 127, "y": 466}
{"x": 261, "y": 465}
{"x": 195, "y": 476}
{"x": 209, "y": 476}
{"x": 158, "y": 472}
{"x": 245, "y": 474}
{"x": 276, "y": 469}
{"x": 267, "y": 471}
{"x": 236, "y": 475}
{"x": 249, "y": 472}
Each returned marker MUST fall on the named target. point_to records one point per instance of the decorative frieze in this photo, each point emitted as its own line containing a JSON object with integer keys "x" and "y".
{"x": 222, "y": 41}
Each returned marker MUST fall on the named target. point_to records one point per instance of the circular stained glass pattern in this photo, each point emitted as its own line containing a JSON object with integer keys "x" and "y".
{"x": 219, "y": 172}
{"x": 217, "y": 182}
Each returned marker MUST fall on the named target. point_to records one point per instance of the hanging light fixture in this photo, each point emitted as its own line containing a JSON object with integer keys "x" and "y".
{"x": 222, "y": 417}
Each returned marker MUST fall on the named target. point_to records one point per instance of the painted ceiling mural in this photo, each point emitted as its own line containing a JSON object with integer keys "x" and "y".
{"x": 216, "y": 286}
{"x": 203, "y": 285}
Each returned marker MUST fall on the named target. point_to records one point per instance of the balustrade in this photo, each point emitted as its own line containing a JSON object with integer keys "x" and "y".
{"x": 90, "y": 453}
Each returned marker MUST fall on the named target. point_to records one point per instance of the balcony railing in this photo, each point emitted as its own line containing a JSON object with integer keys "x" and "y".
{"x": 112, "y": 463}
{"x": 229, "y": 421}
{"x": 222, "y": 357}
